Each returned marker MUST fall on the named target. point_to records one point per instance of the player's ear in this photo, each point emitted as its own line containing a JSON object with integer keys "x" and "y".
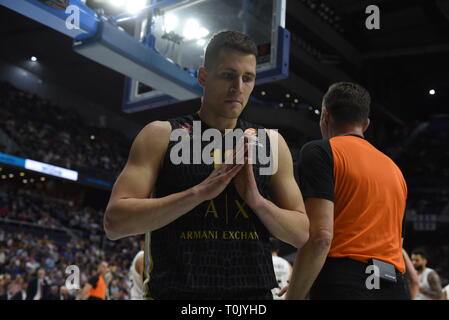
{"x": 202, "y": 74}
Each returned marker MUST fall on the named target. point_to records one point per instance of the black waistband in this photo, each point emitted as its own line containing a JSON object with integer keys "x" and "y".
{"x": 335, "y": 264}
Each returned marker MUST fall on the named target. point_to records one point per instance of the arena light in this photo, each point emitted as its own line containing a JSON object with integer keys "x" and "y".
{"x": 51, "y": 170}
{"x": 432, "y": 92}
{"x": 33, "y": 59}
{"x": 202, "y": 32}
{"x": 191, "y": 29}
{"x": 201, "y": 42}
{"x": 134, "y": 6}
{"x": 170, "y": 22}
{"x": 118, "y": 3}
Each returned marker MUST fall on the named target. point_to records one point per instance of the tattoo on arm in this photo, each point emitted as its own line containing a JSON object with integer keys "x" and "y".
{"x": 435, "y": 291}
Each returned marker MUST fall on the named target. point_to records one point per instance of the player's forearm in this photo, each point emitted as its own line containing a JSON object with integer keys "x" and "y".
{"x": 127, "y": 217}
{"x": 308, "y": 264}
{"x": 414, "y": 289}
{"x": 432, "y": 293}
{"x": 286, "y": 225}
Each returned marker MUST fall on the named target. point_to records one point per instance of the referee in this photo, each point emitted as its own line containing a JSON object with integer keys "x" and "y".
{"x": 355, "y": 198}
{"x": 96, "y": 288}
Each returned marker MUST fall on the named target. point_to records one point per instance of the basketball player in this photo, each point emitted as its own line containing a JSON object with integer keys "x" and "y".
{"x": 446, "y": 293}
{"x": 429, "y": 281}
{"x": 355, "y": 198}
{"x": 282, "y": 270}
{"x": 136, "y": 275}
{"x": 209, "y": 225}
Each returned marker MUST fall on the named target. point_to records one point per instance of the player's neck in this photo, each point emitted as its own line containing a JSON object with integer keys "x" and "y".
{"x": 217, "y": 122}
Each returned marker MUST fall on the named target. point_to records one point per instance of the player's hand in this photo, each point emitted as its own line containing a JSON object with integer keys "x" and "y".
{"x": 283, "y": 291}
{"x": 245, "y": 183}
{"x": 219, "y": 179}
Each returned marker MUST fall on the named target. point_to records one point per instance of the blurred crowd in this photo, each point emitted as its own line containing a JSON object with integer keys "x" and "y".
{"x": 439, "y": 260}
{"x": 51, "y": 134}
{"x": 23, "y": 256}
{"x": 425, "y": 166}
{"x": 24, "y": 252}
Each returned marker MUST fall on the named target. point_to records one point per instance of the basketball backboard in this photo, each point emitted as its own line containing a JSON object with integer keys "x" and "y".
{"x": 180, "y": 31}
{"x": 160, "y": 44}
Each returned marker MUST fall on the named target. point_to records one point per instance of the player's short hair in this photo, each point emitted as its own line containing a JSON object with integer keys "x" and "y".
{"x": 347, "y": 103}
{"x": 421, "y": 252}
{"x": 228, "y": 40}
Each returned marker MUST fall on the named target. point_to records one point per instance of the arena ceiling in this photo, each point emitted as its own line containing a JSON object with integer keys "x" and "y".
{"x": 399, "y": 63}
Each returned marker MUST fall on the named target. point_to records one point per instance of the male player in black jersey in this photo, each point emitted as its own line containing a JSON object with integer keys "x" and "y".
{"x": 208, "y": 225}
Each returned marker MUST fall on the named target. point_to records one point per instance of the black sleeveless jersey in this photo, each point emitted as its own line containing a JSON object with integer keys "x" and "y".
{"x": 218, "y": 249}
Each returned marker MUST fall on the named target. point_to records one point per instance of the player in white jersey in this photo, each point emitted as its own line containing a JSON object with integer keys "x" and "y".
{"x": 429, "y": 281}
{"x": 136, "y": 276}
{"x": 446, "y": 292}
{"x": 282, "y": 270}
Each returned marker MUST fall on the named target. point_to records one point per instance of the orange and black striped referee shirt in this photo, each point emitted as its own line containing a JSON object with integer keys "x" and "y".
{"x": 369, "y": 194}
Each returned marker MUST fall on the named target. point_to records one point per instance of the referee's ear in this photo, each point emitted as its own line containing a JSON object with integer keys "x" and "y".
{"x": 202, "y": 73}
{"x": 366, "y": 124}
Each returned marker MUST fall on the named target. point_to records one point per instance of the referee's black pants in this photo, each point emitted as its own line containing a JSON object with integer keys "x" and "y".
{"x": 345, "y": 279}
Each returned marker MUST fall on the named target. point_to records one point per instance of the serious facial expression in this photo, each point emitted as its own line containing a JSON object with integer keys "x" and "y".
{"x": 229, "y": 83}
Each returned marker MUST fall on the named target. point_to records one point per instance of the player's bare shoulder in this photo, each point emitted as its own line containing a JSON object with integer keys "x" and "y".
{"x": 156, "y": 132}
{"x": 151, "y": 142}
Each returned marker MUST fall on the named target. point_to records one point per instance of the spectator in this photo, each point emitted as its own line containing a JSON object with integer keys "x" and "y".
{"x": 64, "y": 294}
{"x": 2, "y": 259}
{"x": 32, "y": 265}
{"x": 38, "y": 287}
{"x": 54, "y": 293}
{"x": 21, "y": 293}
